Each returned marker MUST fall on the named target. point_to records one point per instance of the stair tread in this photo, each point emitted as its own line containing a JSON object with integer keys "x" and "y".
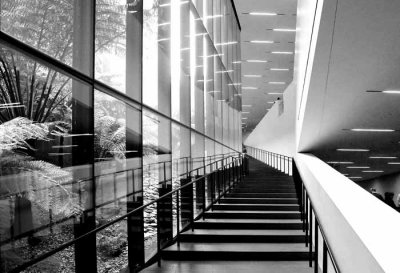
{"x": 252, "y": 212}
{"x": 239, "y": 247}
{"x": 239, "y": 232}
{"x": 258, "y": 221}
{"x": 261, "y": 205}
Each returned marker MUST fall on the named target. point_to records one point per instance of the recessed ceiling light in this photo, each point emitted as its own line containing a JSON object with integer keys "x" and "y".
{"x": 249, "y": 88}
{"x": 282, "y": 52}
{"x": 263, "y": 13}
{"x": 275, "y": 93}
{"x": 355, "y": 177}
{"x": 257, "y": 61}
{"x": 244, "y": 118}
{"x": 261, "y": 42}
{"x": 279, "y": 69}
{"x": 340, "y": 162}
{"x": 373, "y": 171}
{"x": 276, "y": 82}
{"x": 358, "y": 167}
{"x": 284, "y": 29}
{"x": 270, "y": 102}
{"x": 252, "y": 76}
{"x": 226, "y": 43}
{"x": 371, "y": 130}
{"x": 345, "y": 174}
{"x": 237, "y": 62}
{"x": 352, "y": 150}
{"x": 383, "y": 157}
{"x": 393, "y": 163}
{"x": 223, "y": 71}
{"x": 391, "y": 91}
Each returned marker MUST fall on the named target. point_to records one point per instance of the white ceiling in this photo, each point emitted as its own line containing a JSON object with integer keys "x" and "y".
{"x": 362, "y": 54}
{"x": 259, "y": 28}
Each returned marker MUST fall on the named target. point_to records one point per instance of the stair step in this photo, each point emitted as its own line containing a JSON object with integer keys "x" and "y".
{"x": 283, "y": 224}
{"x": 227, "y": 214}
{"x": 228, "y": 200}
{"x": 243, "y": 236}
{"x": 261, "y": 207}
{"x": 237, "y": 251}
{"x": 263, "y": 190}
{"x": 262, "y": 195}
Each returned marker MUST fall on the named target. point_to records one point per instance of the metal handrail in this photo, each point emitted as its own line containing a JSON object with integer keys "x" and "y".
{"x": 120, "y": 218}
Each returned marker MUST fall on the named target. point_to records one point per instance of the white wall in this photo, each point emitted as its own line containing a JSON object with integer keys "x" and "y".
{"x": 276, "y": 133}
{"x": 387, "y": 183}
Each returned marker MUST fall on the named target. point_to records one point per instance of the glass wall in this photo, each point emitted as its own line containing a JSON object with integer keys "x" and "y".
{"x": 106, "y": 105}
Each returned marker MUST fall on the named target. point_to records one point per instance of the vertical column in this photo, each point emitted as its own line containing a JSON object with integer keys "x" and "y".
{"x": 134, "y": 52}
{"x": 83, "y": 130}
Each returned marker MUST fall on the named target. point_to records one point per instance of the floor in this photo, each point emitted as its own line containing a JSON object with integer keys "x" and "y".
{"x": 229, "y": 267}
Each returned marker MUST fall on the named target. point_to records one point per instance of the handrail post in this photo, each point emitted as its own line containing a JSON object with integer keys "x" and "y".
{"x": 311, "y": 235}
{"x": 177, "y": 219}
{"x": 316, "y": 267}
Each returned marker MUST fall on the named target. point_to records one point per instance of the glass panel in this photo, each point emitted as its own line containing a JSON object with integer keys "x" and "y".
{"x": 156, "y": 55}
{"x": 118, "y": 45}
{"x": 118, "y": 175}
{"x": 180, "y": 62}
{"x": 46, "y": 137}
{"x": 197, "y": 72}
{"x": 180, "y": 162}
{"x": 60, "y": 29}
{"x": 156, "y": 171}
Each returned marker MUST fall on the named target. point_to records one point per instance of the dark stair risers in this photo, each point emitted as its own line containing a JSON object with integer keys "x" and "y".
{"x": 259, "y": 201}
{"x": 261, "y": 207}
{"x": 262, "y": 195}
{"x": 243, "y": 236}
{"x": 226, "y": 214}
{"x": 237, "y": 251}
{"x": 282, "y": 224}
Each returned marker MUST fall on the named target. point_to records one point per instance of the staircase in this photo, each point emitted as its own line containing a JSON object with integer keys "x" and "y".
{"x": 257, "y": 220}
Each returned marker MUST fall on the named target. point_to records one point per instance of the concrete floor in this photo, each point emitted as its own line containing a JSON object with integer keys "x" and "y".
{"x": 230, "y": 267}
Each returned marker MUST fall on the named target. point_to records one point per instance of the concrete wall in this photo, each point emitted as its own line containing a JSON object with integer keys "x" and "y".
{"x": 276, "y": 133}
{"x": 387, "y": 183}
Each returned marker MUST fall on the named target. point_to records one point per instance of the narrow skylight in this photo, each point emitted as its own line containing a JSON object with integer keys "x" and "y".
{"x": 249, "y": 88}
{"x": 279, "y": 69}
{"x": 358, "y": 167}
{"x": 383, "y": 157}
{"x": 257, "y": 61}
{"x": 391, "y": 91}
{"x": 282, "y": 52}
{"x": 261, "y": 42}
{"x": 373, "y": 171}
{"x": 284, "y": 29}
{"x": 371, "y": 130}
{"x": 340, "y": 162}
{"x": 275, "y": 93}
{"x": 263, "y": 13}
{"x": 393, "y": 163}
{"x": 352, "y": 150}
{"x": 276, "y": 82}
